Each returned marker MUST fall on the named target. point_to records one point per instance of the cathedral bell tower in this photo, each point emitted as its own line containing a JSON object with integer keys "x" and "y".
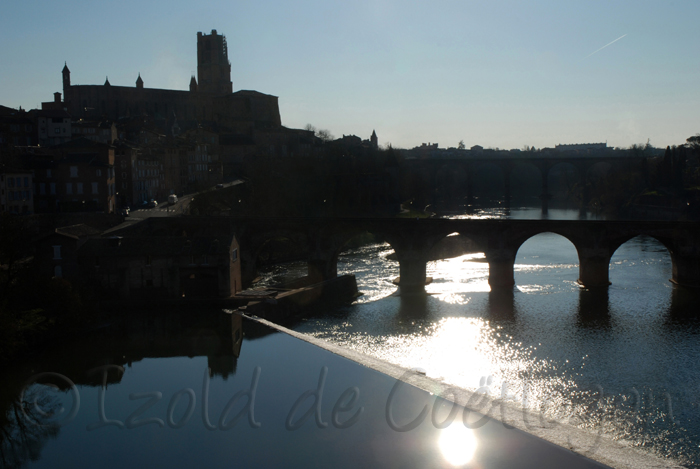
{"x": 213, "y": 67}
{"x": 66, "y": 82}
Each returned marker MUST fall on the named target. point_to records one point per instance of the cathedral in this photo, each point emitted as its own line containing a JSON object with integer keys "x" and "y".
{"x": 210, "y": 98}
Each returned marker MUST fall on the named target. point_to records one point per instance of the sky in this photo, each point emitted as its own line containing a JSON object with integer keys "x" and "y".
{"x": 501, "y": 74}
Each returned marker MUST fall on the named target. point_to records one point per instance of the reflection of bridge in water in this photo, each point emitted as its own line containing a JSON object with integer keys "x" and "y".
{"x": 412, "y": 239}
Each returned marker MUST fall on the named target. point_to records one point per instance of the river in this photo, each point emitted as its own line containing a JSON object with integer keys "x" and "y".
{"x": 622, "y": 361}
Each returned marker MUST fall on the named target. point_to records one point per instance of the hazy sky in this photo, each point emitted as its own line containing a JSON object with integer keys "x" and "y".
{"x": 494, "y": 73}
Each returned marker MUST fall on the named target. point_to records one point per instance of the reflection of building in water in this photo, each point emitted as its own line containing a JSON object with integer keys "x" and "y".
{"x": 177, "y": 334}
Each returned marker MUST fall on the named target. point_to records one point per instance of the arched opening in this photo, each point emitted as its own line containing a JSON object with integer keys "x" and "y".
{"x": 525, "y": 185}
{"x": 451, "y": 188}
{"x": 416, "y": 190}
{"x": 564, "y": 187}
{"x": 546, "y": 263}
{"x": 610, "y": 189}
{"x": 372, "y": 260}
{"x": 277, "y": 259}
{"x": 489, "y": 185}
{"x": 642, "y": 263}
{"x": 457, "y": 264}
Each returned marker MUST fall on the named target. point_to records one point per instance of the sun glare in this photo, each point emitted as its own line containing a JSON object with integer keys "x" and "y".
{"x": 457, "y": 444}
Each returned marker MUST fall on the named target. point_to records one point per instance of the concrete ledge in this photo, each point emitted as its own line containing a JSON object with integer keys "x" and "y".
{"x": 597, "y": 447}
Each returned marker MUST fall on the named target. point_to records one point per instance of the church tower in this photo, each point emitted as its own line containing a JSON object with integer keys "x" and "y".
{"x": 213, "y": 67}
{"x": 66, "y": 82}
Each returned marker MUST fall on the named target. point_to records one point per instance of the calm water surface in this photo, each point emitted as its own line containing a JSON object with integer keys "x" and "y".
{"x": 621, "y": 361}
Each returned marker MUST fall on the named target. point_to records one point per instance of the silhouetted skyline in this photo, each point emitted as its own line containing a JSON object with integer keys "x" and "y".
{"x": 500, "y": 74}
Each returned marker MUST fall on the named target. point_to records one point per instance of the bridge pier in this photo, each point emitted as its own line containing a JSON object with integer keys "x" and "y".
{"x": 470, "y": 188}
{"x": 501, "y": 269}
{"x": 412, "y": 271}
{"x": 507, "y": 188}
{"x": 593, "y": 270}
{"x": 545, "y": 196}
{"x": 686, "y": 271}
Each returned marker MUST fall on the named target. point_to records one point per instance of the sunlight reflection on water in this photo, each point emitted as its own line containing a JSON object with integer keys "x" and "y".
{"x": 549, "y": 342}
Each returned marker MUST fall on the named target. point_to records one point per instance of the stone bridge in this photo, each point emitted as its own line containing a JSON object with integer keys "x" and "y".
{"x": 435, "y": 170}
{"x": 324, "y": 238}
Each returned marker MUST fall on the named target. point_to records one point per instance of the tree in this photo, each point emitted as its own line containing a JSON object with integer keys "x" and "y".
{"x": 460, "y": 145}
{"x": 694, "y": 142}
{"x": 325, "y": 135}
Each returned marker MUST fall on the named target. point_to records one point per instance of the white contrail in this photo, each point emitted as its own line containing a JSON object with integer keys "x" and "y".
{"x": 606, "y": 45}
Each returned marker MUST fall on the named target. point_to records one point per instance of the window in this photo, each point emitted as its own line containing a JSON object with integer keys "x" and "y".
{"x": 57, "y": 130}
{"x": 52, "y": 188}
{"x": 57, "y": 271}
{"x": 48, "y": 173}
{"x": 234, "y": 255}
{"x": 56, "y": 252}
{"x": 42, "y": 188}
{"x": 94, "y": 188}
{"x": 69, "y": 188}
{"x": 80, "y": 188}
{"x": 26, "y": 182}
{"x": 148, "y": 260}
{"x": 98, "y": 173}
{"x": 74, "y": 171}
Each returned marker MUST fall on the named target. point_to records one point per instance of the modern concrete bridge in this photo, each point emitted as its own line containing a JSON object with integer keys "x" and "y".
{"x": 412, "y": 239}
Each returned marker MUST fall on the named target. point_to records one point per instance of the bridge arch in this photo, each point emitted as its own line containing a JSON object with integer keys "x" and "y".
{"x": 273, "y": 242}
{"x": 562, "y": 178}
{"x": 650, "y": 242}
{"x": 490, "y": 180}
{"x": 525, "y": 179}
{"x": 561, "y": 259}
{"x": 451, "y": 184}
{"x": 368, "y": 243}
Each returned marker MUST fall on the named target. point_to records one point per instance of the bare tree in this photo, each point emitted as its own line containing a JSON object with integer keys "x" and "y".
{"x": 325, "y": 135}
